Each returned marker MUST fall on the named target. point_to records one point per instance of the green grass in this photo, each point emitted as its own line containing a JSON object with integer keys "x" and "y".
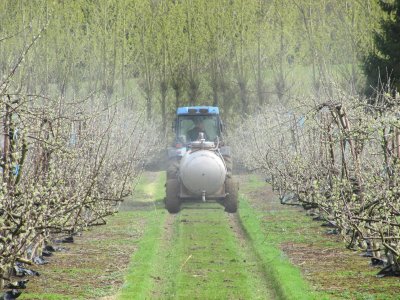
{"x": 196, "y": 254}
{"x": 252, "y": 182}
{"x": 201, "y": 258}
{"x": 204, "y": 259}
{"x": 325, "y": 264}
{"x": 200, "y": 255}
{"x": 286, "y": 278}
{"x": 138, "y": 281}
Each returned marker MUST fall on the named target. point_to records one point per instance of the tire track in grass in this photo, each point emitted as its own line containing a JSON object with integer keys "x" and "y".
{"x": 202, "y": 258}
{"x": 263, "y": 283}
{"x": 286, "y": 279}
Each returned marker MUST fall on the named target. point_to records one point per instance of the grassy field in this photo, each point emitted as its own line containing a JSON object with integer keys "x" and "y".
{"x": 324, "y": 262}
{"x": 197, "y": 257}
{"x": 265, "y": 251}
{"x": 204, "y": 253}
{"x": 204, "y": 259}
{"x": 286, "y": 279}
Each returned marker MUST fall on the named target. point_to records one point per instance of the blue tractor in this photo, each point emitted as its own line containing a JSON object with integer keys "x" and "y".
{"x": 200, "y": 165}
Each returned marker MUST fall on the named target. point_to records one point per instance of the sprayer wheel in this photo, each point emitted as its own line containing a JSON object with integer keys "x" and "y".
{"x": 231, "y": 199}
{"x": 172, "y": 201}
{"x": 173, "y": 168}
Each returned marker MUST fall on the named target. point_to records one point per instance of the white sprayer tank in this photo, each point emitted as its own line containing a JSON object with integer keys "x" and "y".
{"x": 202, "y": 171}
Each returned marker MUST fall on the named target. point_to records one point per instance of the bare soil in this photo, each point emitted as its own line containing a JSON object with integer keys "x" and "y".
{"x": 94, "y": 266}
{"x": 97, "y": 260}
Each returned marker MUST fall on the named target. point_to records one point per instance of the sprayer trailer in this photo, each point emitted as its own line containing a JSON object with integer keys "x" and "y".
{"x": 200, "y": 165}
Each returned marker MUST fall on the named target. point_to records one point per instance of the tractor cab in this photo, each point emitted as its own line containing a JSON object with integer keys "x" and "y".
{"x": 190, "y": 121}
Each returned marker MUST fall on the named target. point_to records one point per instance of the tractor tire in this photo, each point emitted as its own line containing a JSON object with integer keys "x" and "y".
{"x": 231, "y": 199}
{"x": 228, "y": 164}
{"x": 173, "y": 168}
{"x": 172, "y": 201}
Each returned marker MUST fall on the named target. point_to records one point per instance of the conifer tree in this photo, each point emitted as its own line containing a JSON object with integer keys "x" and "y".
{"x": 382, "y": 66}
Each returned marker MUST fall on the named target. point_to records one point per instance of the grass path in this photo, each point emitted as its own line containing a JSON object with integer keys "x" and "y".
{"x": 196, "y": 256}
{"x": 203, "y": 259}
{"x": 137, "y": 282}
{"x": 205, "y": 253}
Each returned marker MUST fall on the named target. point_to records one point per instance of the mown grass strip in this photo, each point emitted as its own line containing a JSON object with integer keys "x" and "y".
{"x": 210, "y": 263}
{"x": 286, "y": 279}
{"x": 201, "y": 258}
{"x": 138, "y": 280}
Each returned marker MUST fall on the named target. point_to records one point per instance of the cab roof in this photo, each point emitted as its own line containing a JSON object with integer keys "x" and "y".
{"x": 197, "y": 110}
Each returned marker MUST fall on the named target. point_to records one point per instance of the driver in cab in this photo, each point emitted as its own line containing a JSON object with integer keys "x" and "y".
{"x": 193, "y": 134}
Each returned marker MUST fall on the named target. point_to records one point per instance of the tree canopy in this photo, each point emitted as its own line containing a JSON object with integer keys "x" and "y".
{"x": 383, "y": 64}
{"x": 237, "y": 54}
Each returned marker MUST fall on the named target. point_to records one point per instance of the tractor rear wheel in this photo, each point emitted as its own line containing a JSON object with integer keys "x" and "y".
{"x": 172, "y": 201}
{"x": 231, "y": 199}
{"x": 228, "y": 164}
{"x": 173, "y": 168}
